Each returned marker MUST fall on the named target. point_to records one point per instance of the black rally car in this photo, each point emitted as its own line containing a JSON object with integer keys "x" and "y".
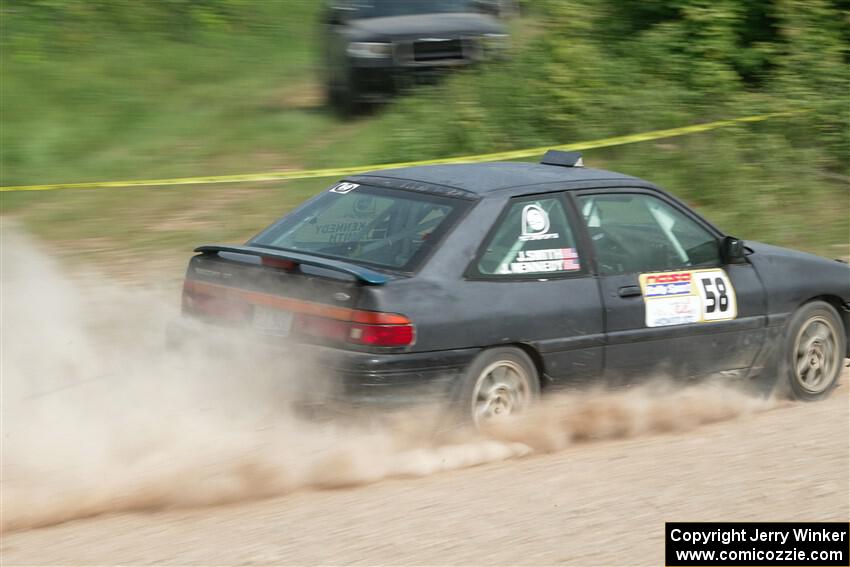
{"x": 485, "y": 284}
{"x": 374, "y": 48}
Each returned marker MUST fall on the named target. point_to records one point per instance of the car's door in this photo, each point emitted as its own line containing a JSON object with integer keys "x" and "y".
{"x": 672, "y": 308}
{"x": 531, "y": 271}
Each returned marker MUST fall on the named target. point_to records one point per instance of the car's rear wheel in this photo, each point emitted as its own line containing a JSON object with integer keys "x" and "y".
{"x": 814, "y": 351}
{"x": 499, "y": 382}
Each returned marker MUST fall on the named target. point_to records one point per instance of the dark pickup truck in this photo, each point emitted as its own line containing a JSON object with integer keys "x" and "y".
{"x": 374, "y": 48}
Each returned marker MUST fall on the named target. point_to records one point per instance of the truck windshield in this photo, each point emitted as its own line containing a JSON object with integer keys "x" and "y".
{"x": 366, "y": 225}
{"x": 387, "y": 8}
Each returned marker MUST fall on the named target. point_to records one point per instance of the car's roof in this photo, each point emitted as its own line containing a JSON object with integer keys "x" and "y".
{"x": 482, "y": 178}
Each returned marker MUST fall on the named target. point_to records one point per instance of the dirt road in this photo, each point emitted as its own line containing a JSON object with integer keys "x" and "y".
{"x": 591, "y": 504}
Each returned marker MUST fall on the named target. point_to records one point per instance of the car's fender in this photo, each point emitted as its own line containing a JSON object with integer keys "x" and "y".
{"x": 792, "y": 278}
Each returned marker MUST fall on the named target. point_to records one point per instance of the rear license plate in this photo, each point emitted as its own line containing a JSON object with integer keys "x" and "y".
{"x": 272, "y": 321}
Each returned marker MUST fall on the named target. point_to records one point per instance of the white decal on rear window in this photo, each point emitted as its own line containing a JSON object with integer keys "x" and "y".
{"x": 535, "y": 224}
{"x": 344, "y": 188}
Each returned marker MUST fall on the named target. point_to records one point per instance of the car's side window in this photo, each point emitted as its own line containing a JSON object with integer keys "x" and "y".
{"x": 635, "y": 232}
{"x": 533, "y": 238}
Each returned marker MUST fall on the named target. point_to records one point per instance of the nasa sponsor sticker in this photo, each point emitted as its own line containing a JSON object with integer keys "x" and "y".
{"x": 545, "y": 261}
{"x": 344, "y": 188}
{"x": 667, "y": 284}
{"x": 693, "y": 296}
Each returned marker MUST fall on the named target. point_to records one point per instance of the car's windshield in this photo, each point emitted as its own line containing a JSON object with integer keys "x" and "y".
{"x": 383, "y": 227}
{"x": 386, "y": 8}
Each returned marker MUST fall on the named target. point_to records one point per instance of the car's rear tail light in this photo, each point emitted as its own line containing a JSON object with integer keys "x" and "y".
{"x": 399, "y": 333}
{"x": 378, "y": 318}
{"x": 381, "y": 335}
{"x": 279, "y": 263}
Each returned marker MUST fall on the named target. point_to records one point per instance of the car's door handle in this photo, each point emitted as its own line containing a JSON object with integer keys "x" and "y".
{"x": 629, "y": 291}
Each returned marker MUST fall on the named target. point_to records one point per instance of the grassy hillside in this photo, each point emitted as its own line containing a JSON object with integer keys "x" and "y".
{"x": 123, "y": 97}
{"x": 121, "y": 90}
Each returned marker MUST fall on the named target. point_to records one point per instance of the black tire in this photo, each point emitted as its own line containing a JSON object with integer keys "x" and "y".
{"x": 343, "y": 98}
{"x": 338, "y": 101}
{"x": 812, "y": 353}
{"x": 511, "y": 381}
{"x": 331, "y": 96}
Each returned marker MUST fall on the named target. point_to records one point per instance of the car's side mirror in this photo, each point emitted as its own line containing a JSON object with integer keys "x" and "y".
{"x": 732, "y": 250}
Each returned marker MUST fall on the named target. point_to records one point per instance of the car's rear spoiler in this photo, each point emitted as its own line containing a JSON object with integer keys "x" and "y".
{"x": 364, "y": 275}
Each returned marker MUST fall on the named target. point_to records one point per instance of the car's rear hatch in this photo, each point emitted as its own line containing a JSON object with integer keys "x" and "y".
{"x": 313, "y": 274}
{"x": 279, "y": 294}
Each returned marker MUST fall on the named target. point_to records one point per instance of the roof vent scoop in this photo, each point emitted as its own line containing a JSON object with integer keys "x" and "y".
{"x": 563, "y": 159}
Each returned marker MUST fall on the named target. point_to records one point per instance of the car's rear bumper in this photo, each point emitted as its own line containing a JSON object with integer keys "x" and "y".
{"x": 401, "y": 378}
{"x": 391, "y": 379}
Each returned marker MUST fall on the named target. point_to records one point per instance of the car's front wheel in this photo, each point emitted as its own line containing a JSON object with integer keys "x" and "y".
{"x": 814, "y": 351}
{"x": 500, "y": 382}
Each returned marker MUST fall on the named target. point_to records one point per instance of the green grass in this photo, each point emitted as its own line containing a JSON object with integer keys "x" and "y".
{"x": 140, "y": 106}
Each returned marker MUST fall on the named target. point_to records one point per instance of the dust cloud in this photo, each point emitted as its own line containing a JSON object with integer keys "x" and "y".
{"x": 101, "y": 415}
{"x": 652, "y": 408}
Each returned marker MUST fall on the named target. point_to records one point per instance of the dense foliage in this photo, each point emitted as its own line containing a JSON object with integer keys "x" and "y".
{"x": 604, "y": 67}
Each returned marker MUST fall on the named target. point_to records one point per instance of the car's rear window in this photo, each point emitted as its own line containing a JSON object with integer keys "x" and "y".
{"x": 386, "y": 228}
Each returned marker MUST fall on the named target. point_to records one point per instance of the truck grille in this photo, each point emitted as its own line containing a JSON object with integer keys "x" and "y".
{"x": 437, "y": 50}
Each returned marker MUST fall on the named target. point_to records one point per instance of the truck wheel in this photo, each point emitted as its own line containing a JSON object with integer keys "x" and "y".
{"x": 344, "y": 98}
{"x": 814, "y": 352}
{"x": 499, "y": 382}
{"x": 338, "y": 101}
{"x": 331, "y": 96}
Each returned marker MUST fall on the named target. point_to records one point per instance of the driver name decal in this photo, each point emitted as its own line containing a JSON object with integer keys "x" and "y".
{"x": 542, "y": 261}
{"x": 694, "y": 296}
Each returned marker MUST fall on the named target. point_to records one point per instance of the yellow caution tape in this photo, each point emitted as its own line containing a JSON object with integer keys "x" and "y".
{"x": 345, "y": 171}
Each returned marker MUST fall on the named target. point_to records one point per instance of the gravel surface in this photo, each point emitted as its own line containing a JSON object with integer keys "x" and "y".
{"x": 596, "y": 503}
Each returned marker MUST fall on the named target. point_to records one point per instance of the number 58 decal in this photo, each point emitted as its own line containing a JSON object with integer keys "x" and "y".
{"x": 694, "y": 296}
{"x": 717, "y": 294}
